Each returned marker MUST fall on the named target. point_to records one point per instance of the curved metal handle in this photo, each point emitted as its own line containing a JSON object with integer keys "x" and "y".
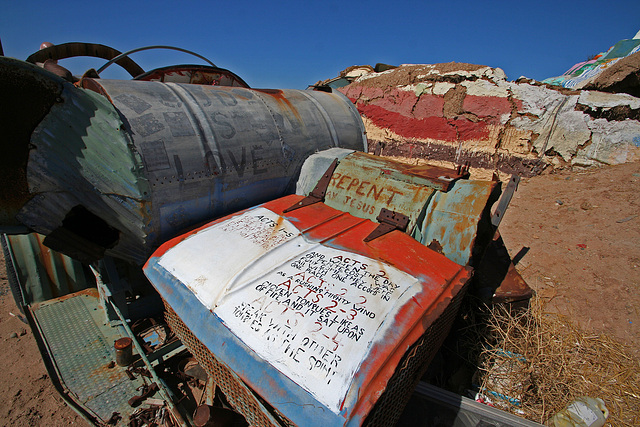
{"x": 127, "y": 53}
{"x": 94, "y": 50}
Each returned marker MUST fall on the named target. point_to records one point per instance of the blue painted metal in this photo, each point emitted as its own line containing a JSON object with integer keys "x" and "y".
{"x": 453, "y": 219}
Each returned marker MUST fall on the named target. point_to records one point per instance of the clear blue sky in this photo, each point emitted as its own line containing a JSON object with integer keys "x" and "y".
{"x": 290, "y": 44}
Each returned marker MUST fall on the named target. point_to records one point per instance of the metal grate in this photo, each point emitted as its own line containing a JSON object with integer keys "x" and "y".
{"x": 81, "y": 351}
{"x": 412, "y": 366}
{"x": 237, "y": 393}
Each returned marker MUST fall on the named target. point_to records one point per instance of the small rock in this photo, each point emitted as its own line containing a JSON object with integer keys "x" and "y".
{"x": 559, "y": 202}
{"x": 13, "y": 335}
{"x": 586, "y": 206}
{"x": 23, "y": 332}
{"x": 629, "y": 218}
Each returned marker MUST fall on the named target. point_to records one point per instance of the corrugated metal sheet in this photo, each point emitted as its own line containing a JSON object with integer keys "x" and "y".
{"x": 302, "y": 309}
{"x": 119, "y": 170}
{"x": 81, "y": 156}
{"x": 45, "y": 274}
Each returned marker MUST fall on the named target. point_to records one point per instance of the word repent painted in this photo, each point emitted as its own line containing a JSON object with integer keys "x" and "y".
{"x": 361, "y": 185}
{"x": 309, "y": 310}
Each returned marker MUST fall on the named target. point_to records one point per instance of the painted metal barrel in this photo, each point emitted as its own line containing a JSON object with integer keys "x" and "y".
{"x": 117, "y": 167}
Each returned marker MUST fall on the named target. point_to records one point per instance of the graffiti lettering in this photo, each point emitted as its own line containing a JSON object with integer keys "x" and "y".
{"x": 358, "y": 190}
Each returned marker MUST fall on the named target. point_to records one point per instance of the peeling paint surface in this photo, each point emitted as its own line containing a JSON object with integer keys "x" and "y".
{"x": 304, "y": 312}
{"x": 477, "y": 116}
{"x": 453, "y": 218}
{"x": 612, "y": 143}
{"x": 265, "y": 301}
{"x": 361, "y": 187}
{"x": 439, "y": 206}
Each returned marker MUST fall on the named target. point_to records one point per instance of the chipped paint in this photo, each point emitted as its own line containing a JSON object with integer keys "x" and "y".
{"x": 439, "y": 205}
{"x": 461, "y": 112}
{"x": 300, "y": 319}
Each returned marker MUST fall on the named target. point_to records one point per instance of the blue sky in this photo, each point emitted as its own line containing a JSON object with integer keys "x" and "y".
{"x": 291, "y": 44}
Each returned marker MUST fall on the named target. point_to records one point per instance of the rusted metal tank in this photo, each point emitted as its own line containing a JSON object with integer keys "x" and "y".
{"x": 118, "y": 167}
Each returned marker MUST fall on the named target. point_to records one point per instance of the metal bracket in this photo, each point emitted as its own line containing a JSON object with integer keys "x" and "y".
{"x": 463, "y": 169}
{"x": 319, "y": 191}
{"x": 389, "y": 221}
{"x": 503, "y": 204}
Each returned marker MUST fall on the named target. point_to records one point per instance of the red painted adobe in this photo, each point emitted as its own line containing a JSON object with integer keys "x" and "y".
{"x": 487, "y": 106}
{"x": 460, "y": 129}
{"x": 429, "y": 106}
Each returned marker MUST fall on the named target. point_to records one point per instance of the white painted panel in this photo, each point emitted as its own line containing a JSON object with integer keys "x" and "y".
{"x": 311, "y": 311}
{"x": 210, "y": 261}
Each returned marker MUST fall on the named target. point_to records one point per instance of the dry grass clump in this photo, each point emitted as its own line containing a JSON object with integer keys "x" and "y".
{"x": 542, "y": 361}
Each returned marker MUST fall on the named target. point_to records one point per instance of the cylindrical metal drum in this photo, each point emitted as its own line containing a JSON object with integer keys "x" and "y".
{"x": 117, "y": 167}
{"x": 124, "y": 351}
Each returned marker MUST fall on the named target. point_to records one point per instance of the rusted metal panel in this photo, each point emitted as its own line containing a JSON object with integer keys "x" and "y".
{"x": 119, "y": 170}
{"x": 445, "y": 209}
{"x": 453, "y": 219}
{"x": 301, "y": 308}
{"x": 497, "y": 280}
{"x": 362, "y": 184}
{"x": 513, "y": 289}
{"x": 43, "y": 273}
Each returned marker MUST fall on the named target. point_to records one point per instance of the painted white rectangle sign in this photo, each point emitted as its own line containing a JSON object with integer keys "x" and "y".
{"x": 311, "y": 311}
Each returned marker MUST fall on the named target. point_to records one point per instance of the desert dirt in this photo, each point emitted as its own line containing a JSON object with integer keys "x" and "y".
{"x": 27, "y": 396}
{"x": 582, "y": 229}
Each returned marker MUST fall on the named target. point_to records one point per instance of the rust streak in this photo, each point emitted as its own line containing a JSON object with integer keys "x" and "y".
{"x": 278, "y": 95}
